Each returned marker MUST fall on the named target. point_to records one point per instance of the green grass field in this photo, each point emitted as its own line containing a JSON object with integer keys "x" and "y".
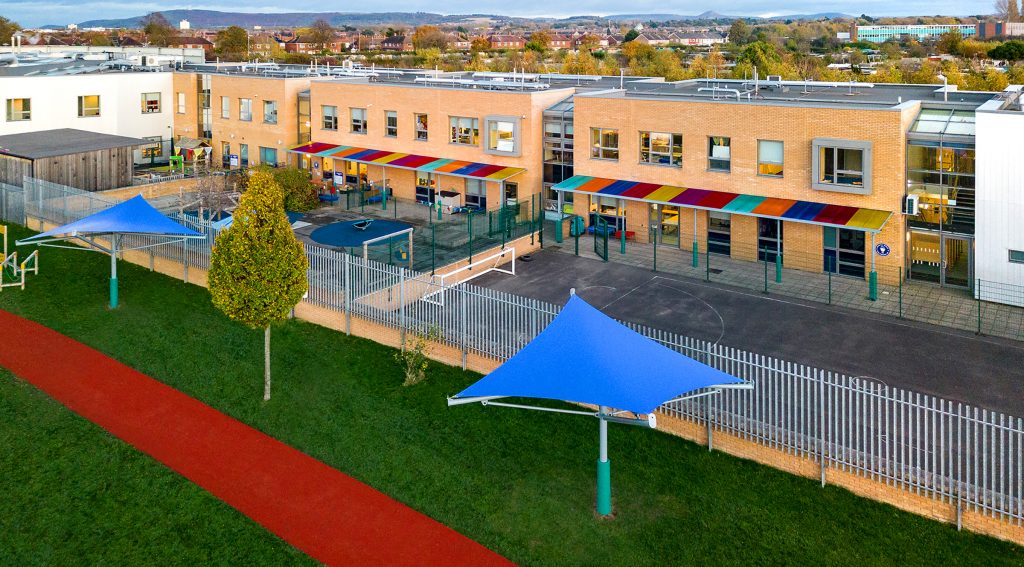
{"x": 521, "y": 483}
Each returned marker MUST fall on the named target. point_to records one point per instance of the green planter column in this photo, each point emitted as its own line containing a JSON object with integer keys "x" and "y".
{"x": 604, "y": 470}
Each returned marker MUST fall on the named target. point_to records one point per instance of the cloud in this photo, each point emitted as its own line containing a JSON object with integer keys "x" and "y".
{"x": 42, "y": 12}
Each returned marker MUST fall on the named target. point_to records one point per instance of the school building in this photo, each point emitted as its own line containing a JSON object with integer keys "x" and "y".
{"x": 866, "y": 181}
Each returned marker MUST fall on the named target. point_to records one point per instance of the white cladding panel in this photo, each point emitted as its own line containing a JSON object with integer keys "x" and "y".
{"x": 1000, "y": 202}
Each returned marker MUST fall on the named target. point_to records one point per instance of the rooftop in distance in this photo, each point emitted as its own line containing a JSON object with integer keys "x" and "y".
{"x": 41, "y": 64}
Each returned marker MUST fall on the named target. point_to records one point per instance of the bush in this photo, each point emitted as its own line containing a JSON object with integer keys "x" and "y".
{"x": 415, "y": 356}
{"x": 299, "y": 192}
{"x": 1011, "y": 51}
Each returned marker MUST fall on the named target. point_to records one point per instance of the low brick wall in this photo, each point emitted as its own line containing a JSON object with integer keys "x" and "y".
{"x": 858, "y": 484}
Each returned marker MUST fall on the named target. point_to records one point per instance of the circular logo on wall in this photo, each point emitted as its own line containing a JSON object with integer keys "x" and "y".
{"x": 882, "y": 249}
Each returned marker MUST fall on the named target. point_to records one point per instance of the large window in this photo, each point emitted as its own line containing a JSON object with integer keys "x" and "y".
{"x": 844, "y": 251}
{"x": 330, "y": 113}
{"x": 476, "y": 193}
{"x": 243, "y": 154}
{"x": 88, "y": 105}
{"x": 420, "y": 123}
{"x": 661, "y": 148}
{"x": 19, "y": 109}
{"x": 604, "y": 143}
{"x": 268, "y": 156}
{"x": 270, "y": 112}
{"x": 719, "y": 233}
{"x": 391, "y": 123}
{"x": 150, "y": 103}
{"x": 465, "y": 131}
{"x": 502, "y": 136}
{"x": 719, "y": 154}
{"x": 358, "y": 120}
{"x": 245, "y": 109}
{"x": 941, "y": 176}
{"x": 769, "y": 239}
{"x": 770, "y": 158}
{"x": 225, "y": 107}
{"x": 842, "y": 165}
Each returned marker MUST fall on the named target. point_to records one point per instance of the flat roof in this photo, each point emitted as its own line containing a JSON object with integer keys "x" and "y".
{"x": 801, "y": 93}
{"x": 62, "y": 142}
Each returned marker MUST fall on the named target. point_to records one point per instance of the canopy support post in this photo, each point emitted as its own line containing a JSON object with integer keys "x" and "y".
{"x": 873, "y": 276}
{"x": 558, "y": 215}
{"x": 604, "y": 469}
{"x": 696, "y": 246}
{"x": 113, "y": 271}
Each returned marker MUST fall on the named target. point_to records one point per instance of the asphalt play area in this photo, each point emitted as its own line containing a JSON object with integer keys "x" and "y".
{"x": 959, "y": 366}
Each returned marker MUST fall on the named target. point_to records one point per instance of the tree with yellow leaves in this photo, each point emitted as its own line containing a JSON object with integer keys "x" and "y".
{"x": 257, "y": 266}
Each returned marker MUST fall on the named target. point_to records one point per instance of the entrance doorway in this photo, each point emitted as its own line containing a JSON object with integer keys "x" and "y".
{"x": 719, "y": 233}
{"x": 941, "y": 258}
{"x": 769, "y": 239}
{"x": 666, "y": 220}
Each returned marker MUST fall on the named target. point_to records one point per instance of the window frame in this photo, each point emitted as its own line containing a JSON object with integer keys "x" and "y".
{"x": 242, "y": 115}
{"x": 672, "y": 155}
{"x": 817, "y": 151}
{"x": 181, "y": 103}
{"x": 1019, "y": 259}
{"x": 357, "y": 125}
{"x": 390, "y": 130}
{"x": 761, "y": 161}
{"x": 597, "y": 149}
{"x": 265, "y": 114}
{"x": 329, "y": 122}
{"x": 515, "y": 121}
{"x": 145, "y": 99}
{"x": 712, "y": 159}
{"x": 82, "y": 108}
{"x": 421, "y": 133}
{"x": 456, "y": 127}
{"x": 225, "y": 107}
{"x": 25, "y": 115}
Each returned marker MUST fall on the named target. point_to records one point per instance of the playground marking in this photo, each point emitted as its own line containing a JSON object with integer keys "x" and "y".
{"x": 321, "y": 511}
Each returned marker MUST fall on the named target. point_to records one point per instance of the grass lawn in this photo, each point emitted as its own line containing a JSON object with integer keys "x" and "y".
{"x": 521, "y": 483}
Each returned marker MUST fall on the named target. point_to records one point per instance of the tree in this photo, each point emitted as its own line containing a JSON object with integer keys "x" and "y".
{"x": 96, "y": 39}
{"x": 949, "y": 42}
{"x": 739, "y": 32}
{"x": 233, "y": 43}
{"x": 321, "y": 34}
{"x": 540, "y": 39}
{"x": 1011, "y": 51}
{"x": 1007, "y": 10}
{"x": 157, "y": 29}
{"x": 299, "y": 192}
{"x": 257, "y": 266}
{"x": 7, "y": 29}
{"x": 479, "y": 44}
{"x": 429, "y": 37}
{"x": 630, "y": 36}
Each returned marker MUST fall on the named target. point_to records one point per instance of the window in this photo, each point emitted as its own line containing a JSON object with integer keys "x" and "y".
{"x": 88, "y": 106}
{"x": 661, "y": 148}
{"x": 225, "y": 153}
{"x": 391, "y": 123}
{"x": 270, "y": 112}
{"x": 181, "y": 103}
{"x": 1017, "y": 256}
{"x": 150, "y": 103}
{"x": 330, "y": 117}
{"x": 844, "y": 251}
{"x": 358, "y": 118}
{"x": 421, "y": 126}
{"x": 476, "y": 193}
{"x": 426, "y": 184}
{"x": 19, "y": 109}
{"x": 245, "y": 109}
{"x": 465, "y": 131}
{"x": 842, "y": 165}
{"x": 769, "y": 239}
{"x": 243, "y": 154}
{"x": 225, "y": 107}
{"x": 719, "y": 233}
{"x": 268, "y": 156}
{"x": 604, "y": 143}
{"x": 502, "y": 136}
{"x": 769, "y": 158}
{"x": 719, "y": 154}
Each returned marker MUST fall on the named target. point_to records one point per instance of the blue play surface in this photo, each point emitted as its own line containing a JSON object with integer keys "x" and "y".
{"x": 345, "y": 233}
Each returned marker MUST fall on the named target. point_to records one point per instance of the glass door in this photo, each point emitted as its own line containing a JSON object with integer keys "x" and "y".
{"x": 941, "y": 259}
{"x": 670, "y": 226}
{"x": 719, "y": 233}
{"x": 956, "y": 261}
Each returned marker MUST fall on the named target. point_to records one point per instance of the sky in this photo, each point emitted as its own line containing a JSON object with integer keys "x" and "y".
{"x": 42, "y": 12}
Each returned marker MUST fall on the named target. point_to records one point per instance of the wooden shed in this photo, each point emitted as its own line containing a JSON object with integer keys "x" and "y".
{"x": 87, "y": 160}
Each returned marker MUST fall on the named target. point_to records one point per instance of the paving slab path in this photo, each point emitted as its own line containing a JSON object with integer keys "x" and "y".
{"x": 329, "y": 515}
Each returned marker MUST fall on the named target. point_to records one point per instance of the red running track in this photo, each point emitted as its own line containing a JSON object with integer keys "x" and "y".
{"x": 325, "y": 513}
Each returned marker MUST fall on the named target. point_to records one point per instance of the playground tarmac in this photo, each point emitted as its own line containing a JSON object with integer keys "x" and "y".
{"x": 959, "y": 366}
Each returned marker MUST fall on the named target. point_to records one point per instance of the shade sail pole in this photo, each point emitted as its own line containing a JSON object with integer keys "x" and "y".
{"x": 604, "y": 469}
{"x": 113, "y": 271}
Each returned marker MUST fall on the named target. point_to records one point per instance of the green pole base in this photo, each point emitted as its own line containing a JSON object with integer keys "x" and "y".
{"x": 696, "y": 255}
{"x": 622, "y": 242}
{"x": 604, "y": 488}
{"x": 558, "y": 231}
{"x": 778, "y": 268}
{"x": 873, "y": 286}
{"x": 113, "y": 293}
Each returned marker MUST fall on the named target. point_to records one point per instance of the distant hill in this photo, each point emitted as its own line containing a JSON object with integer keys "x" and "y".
{"x": 215, "y": 19}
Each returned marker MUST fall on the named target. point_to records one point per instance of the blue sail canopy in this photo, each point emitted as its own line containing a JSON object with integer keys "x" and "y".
{"x": 134, "y": 216}
{"x": 587, "y": 357}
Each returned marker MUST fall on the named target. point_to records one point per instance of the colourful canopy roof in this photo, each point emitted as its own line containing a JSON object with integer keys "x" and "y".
{"x": 586, "y": 356}
{"x": 870, "y": 220}
{"x": 458, "y": 168}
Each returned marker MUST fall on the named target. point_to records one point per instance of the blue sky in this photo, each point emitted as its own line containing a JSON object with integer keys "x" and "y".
{"x": 42, "y": 12}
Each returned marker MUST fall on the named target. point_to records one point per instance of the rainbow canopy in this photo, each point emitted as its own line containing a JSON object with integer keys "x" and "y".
{"x": 840, "y": 216}
{"x": 457, "y": 168}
